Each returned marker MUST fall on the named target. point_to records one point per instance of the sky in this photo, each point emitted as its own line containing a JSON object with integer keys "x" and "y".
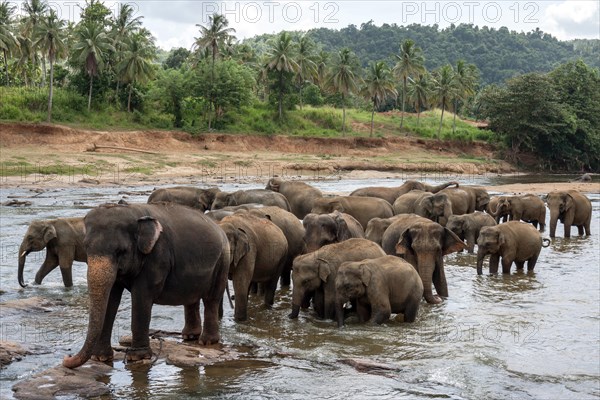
{"x": 173, "y": 22}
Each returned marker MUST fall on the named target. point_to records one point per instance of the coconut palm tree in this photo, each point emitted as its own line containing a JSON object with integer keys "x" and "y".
{"x": 50, "y": 38}
{"x": 322, "y": 62}
{"x": 410, "y": 62}
{"x": 344, "y": 79}
{"x": 307, "y": 68}
{"x": 379, "y": 85}
{"x": 136, "y": 65}
{"x": 91, "y": 48}
{"x": 466, "y": 76}
{"x": 123, "y": 26}
{"x": 444, "y": 89}
{"x": 35, "y": 10}
{"x": 8, "y": 42}
{"x": 419, "y": 90}
{"x": 280, "y": 58}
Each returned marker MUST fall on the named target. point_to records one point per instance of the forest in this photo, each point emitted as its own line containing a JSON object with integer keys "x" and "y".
{"x": 540, "y": 95}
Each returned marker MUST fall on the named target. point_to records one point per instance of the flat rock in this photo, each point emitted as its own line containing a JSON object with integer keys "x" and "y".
{"x": 11, "y": 351}
{"x": 35, "y": 303}
{"x": 369, "y": 366}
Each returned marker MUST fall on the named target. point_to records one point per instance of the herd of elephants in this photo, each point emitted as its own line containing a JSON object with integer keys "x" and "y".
{"x": 375, "y": 252}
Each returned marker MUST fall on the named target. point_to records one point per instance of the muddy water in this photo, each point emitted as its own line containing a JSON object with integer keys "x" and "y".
{"x": 526, "y": 336}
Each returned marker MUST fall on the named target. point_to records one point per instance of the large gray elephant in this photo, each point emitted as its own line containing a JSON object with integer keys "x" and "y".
{"x": 514, "y": 241}
{"x": 460, "y": 200}
{"x": 380, "y": 286}
{"x": 300, "y": 195}
{"x": 376, "y": 228}
{"x": 200, "y": 199}
{"x": 467, "y": 226}
{"x": 258, "y": 254}
{"x": 361, "y": 208}
{"x": 492, "y": 207}
{"x": 390, "y": 194}
{"x": 63, "y": 240}
{"x": 436, "y": 207}
{"x": 423, "y": 243}
{"x": 260, "y": 196}
{"x": 165, "y": 254}
{"x": 315, "y": 273}
{"x": 572, "y": 208}
{"x": 324, "y": 229}
{"x": 528, "y": 208}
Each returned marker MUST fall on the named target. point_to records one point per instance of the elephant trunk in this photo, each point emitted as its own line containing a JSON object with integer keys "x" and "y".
{"x": 435, "y": 189}
{"x": 425, "y": 267}
{"x": 22, "y": 255}
{"x": 339, "y": 311}
{"x": 553, "y": 222}
{"x": 480, "y": 257}
{"x": 101, "y": 277}
{"x": 297, "y": 297}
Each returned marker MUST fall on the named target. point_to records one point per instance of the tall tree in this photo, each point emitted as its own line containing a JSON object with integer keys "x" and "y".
{"x": 419, "y": 92}
{"x": 322, "y": 68}
{"x": 281, "y": 60}
{"x": 136, "y": 65}
{"x": 123, "y": 26}
{"x": 344, "y": 79}
{"x": 444, "y": 89}
{"x": 307, "y": 68}
{"x": 8, "y": 42}
{"x": 50, "y": 38}
{"x": 465, "y": 77}
{"x": 379, "y": 85}
{"x": 410, "y": 63}
{"x": 35, "y": 11}
{"x": 91, "y": 49}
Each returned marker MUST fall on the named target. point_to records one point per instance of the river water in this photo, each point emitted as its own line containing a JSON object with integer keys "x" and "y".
{"x": 526, "y": 336}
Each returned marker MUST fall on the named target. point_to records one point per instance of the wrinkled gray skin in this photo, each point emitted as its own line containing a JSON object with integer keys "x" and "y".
{"x": 361, "y": 208}
{"x": 300, "y": 195}
{"x": 63, "y": 240}
{"x": 491, "y": 209}
{"x": 467, "y": 226}
{"x": 200, "y": 199}
{"x": 528, "y": 208}
{"x": 292, "y": 230}
{"x": 436, "y": 207}
{"x": 459, "y": 200}
{"x": 572, "y": 208}
{"x": 423, "y": 243}
{"x": 514, "y": 241}
{"x": 380, "y": 287}
{"x": 376, "y": 228}
{"x": 316, "y": 271}
{"x": 258, "y": 253}
{"x": 391, "y": 194}
{"x": 476, "y": 199}
{"x": 324, "y": 229}
{"x": 163, "y": 253}
{"x": 260, "y": 196}
{"x": 221, "y": 213}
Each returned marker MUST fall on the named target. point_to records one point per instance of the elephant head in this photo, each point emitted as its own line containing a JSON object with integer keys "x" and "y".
{"x": 37, "y": 237}
{"x": 309, "y": 272}
{"x": 223, "y": 199}
{"x": 436, "y": 207}
{"x": 350, "y": 283}
{"x": 376, "y": 228}
{"x": 239, "y": 243}
{"x": 206, "y": 198}
{"x": 482, "y": 199}
{"x": 489, "y": 242}
{"x": 423, "y": 245}
{"x": 561, "y": 205}
{"x": 274, "y": 184}
{"x": 323, "y": 229}
{"x": 110, "y": 253}
{"x": 457, "y": 225}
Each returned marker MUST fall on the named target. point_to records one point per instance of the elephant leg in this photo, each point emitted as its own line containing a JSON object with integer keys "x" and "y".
{"x": 363, "y": 310}
{"x": 411, "y": 310}
{"x": 494, "y": 260}
{"x": 193, "y": 323}
{"x": 471, "y": 239}
{"x": 580, "y": 230}
{"x": 380, "y": 314}
{"x": 103, "y": 350}
{"x": 587, "y": 228}
{"x": 240, "y": 288}
{"x": 506, "y": 263}
{"x": 286, "y": 273}
{"x": 531, "y": 262}
{"x": 210, "y": 333}
{"x": 520, "y": 264}
{"x": 542, "y": 226}
{"x": 141, "y": 311}
{"x": 65, "y": 261}
{"x": 270, "y": 287}
{"x": 48, "y": 265}
{"x": 318, "y": 299}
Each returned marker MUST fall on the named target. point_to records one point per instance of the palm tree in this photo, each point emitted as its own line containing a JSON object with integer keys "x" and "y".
{"x": 466, "y": 76}
{"x": 418, "y": 91}
{"x": 122, "y": 27}
{"x": 280, "y": 58}
{"x": 35, "y": 10}
{"x": 307, "y": 68}
{"x": 410, "y": 63}
{"x": 444, "y": 89}
{"x": 322, "y": 68}
{"x": 136, "y": 65}
{"x": 344, "y": 80}
{"x": 8, "y": 42}
{"x": 379, "y": 85}
{"x": 91, "y": 48}
{"x": 50, "y": 38}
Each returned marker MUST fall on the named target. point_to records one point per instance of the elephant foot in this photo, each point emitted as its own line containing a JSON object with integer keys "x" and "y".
{"x": 103, "y": 357}
{"x": 435, "y": 300}
{"x": 139, "y": 354}
{"x": 191, "y": 334}
{"x": 208, "y": 339}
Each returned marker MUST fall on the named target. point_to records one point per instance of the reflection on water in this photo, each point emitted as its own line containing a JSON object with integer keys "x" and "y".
{"x": 523, "y": 335}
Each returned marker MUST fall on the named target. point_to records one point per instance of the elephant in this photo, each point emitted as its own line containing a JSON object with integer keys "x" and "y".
{"x": 381, "y": 286}
{"x": 300, "y": 195}
{"x": 63, "y": 240}
{"x": 361, "y": 208}
{"x": 221, "y": 213}
{"x": 528, "y": 207}
{"x": 479, "y": 198}
{"x": 201, "y": 199}
{"x": 514, "y": 241}
{"x": 324, "y": 229}
{"x": 460, "y": 200}
{"x": 436, "y": 207}
{"x": 316, "y": 271}
{"x": 292, "y": 230}
{"x": 491, "y": 209}
{"x": 261, "y": 196}
{"x": 376, "y": 228}
{"x": 583, "y": 178}
{"x": 390, "y": 194}
{"x": 572, "y": 208}
{"x": 259, "y": 251}
{"x": 467, "y": 226}
{"x": 162, "y": 253}
{"x": 423, "y": 243}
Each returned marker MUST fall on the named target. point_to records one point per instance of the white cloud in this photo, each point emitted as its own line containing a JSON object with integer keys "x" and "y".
{"x": 573, "y": 19}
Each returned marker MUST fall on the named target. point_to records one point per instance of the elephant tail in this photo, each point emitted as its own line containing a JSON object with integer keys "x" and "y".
{"x": 545, "y": 242}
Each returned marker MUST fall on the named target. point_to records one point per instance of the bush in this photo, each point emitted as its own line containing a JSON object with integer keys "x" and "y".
{"x": 10, "y": 112}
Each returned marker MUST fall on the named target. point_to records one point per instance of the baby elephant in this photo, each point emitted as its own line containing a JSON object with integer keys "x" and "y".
{"x": 514, "y": 241}
{"x": 467, "y": 226}
{"x": 381, "y": 286}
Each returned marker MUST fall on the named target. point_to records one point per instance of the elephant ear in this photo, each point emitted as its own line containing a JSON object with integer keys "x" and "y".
{"x": 324, "y": 269}
{"x": 452, "y": 243}
{"x": 404, "y": 244}
{"x": 568, "y": 200}
{"x": 309, "y": 219}
{"x": 49, "y": 233}
{"x": 149, "y": 230}
{"x": 501, "y": 239}
{"x": 427, "y": 204}
{"x": 342, "y": 232}
{"x": 230, "y": 200}
{"x": 242, "y": 246}
{"x": 365, "y": 274}
{"x": 337, "y": 206}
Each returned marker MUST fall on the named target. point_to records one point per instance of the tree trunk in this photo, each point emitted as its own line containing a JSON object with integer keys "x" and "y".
{"x": 403, "y": 102}
{"x": 51, "y": 93}
{"x": 117, "y": 94}
{"x": 441, "y": 119}
{"x": 280, "y": 96}
{"x": 454, "y": 118}
{"x": 129, "y": 98}
{"x": 418, "y": 114}
{"x": 43, "y": 71}
{"x": 301, "y": 102}
{"x": 90, "y": 92}
{"x": 6, "y": 67}
{"x": 372, "y": 116}
{"x": 344, "y": 120}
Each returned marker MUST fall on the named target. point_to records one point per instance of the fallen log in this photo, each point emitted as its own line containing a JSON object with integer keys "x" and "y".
{"x": 96, "y": 147}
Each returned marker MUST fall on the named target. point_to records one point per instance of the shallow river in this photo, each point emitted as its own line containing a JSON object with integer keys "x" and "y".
{"x": 525, "y": 336}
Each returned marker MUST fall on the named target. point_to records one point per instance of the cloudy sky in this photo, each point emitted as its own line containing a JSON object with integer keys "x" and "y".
{"x": 173, "y": 23}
